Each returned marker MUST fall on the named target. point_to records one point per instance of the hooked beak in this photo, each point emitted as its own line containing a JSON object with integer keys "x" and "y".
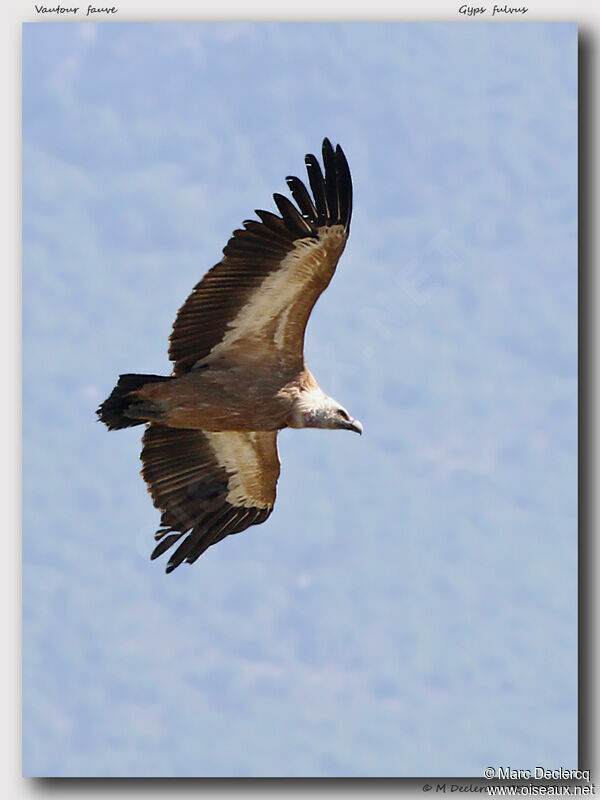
{"x": 355, "y": 425}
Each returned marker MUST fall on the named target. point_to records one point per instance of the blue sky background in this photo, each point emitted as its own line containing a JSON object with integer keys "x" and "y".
{"x": 409, "y": 609}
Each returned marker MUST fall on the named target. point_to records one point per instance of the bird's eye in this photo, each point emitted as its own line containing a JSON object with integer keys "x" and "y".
{"x": 343, "y": 414}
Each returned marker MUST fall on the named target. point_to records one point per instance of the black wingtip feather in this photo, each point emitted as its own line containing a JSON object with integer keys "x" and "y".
{"x": 274, "y": 223}
{"x": 164, "y": 545}
{"x": 292, "y": 217}
{"x": 317, "y": 185}
{"x": 331, "y": 180}
{"x": 330, "y": 204}
{"x": 302, "y": 197}
{"x": 344, "y": 182}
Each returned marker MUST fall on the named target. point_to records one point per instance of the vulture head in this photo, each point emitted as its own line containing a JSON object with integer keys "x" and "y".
{"x": 315, "y": 409}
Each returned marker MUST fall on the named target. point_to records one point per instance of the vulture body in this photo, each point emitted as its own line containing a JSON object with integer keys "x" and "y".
{"x": 209, "y": 450}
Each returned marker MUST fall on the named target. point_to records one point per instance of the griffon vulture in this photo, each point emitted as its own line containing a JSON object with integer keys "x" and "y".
{"x": 210, "y": 446}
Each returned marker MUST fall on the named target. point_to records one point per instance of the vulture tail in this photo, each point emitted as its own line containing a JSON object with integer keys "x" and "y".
{"x": 121, "y": 409}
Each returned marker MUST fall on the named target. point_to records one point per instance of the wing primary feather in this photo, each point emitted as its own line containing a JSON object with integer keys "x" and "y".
{"x": 220, "y": 521}
{"x": 261, "y": 232}
{"x": 275, "y": 223}
{"x": 162, "y": 532}
{"x": 237, "y": 523}
{"x": 344, "y": 181}
{"x": 292, "y": 217}
{"x": 164, "y": 545}
{"x": 302, "y": 197}
{"x": 205, "y": 539}
{"x": 317, "y": 185}
{"x": 331, "y": 184}
{"x": 181, "y": 552}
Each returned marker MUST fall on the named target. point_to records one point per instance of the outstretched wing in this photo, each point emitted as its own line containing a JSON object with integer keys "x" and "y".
{"x": 254, "y": 304}
{"x": 208, "y": 485}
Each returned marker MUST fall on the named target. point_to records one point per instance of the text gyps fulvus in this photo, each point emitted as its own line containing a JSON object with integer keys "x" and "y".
{"x": 210, "y": 448}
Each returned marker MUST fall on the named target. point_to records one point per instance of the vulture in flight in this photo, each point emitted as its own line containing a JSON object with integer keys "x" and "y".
{"x": 209, "y": 451}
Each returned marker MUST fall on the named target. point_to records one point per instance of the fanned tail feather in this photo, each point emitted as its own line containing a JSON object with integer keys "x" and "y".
{"x": 113, "y": 412}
